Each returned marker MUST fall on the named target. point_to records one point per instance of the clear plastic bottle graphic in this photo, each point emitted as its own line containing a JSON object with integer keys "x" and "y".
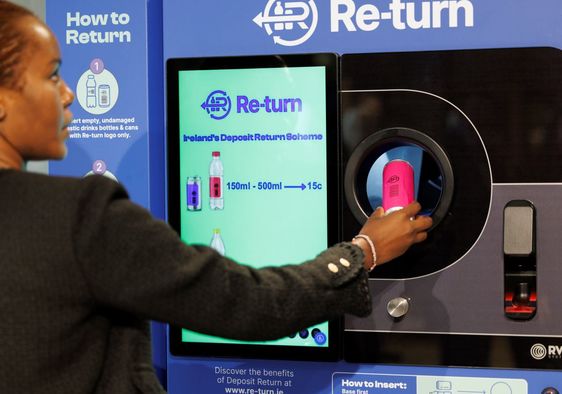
{"x": 216, "y": 241}
{"x": 91, "y": 97}
{"x": 216, "y": 182}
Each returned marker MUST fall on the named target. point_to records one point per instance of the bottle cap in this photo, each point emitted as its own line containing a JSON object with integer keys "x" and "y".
{"x": 216, "y": 154}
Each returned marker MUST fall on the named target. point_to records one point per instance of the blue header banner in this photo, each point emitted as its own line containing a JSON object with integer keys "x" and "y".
{"x": 104, "y": 52}
{"x": 225, "y": 27}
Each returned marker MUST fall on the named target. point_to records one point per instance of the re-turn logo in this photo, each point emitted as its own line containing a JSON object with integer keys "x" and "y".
{"x": 292, "y": 23}
{"x": 217, "y": 104}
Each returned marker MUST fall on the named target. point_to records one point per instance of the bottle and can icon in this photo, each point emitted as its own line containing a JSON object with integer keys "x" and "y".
{"x": 91, "y": 96}
{"x": 397, "y": 185}
{"x": 104, "y": 96}
{"x": 216, "y": 242}
{"x": 193, "y": 193}
{"x": 216, "y": 182}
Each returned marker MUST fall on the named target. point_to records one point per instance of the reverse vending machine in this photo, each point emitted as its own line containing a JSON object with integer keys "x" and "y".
{"x": 481, "y": 129}
{"x": 472, "y": 135}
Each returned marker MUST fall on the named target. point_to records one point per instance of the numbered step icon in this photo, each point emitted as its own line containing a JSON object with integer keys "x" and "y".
{"x": 97, "y": 89}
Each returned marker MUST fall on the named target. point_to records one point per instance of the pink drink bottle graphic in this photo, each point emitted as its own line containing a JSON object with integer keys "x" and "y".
{"x": 397, "y": 185}
{"x": 215, "y": 182}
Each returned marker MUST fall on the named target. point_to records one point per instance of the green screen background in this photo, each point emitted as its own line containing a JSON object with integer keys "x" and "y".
{"x": 258, "y": 227}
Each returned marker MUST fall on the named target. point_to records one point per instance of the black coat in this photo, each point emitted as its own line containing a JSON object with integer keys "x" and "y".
{"x": 83, "y": 269}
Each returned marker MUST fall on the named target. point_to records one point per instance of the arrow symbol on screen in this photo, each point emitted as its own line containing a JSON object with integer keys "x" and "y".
{"x": 302, "y": 186}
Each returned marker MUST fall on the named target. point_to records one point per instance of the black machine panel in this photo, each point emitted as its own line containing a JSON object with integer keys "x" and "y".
{"x": 486, "y": 131}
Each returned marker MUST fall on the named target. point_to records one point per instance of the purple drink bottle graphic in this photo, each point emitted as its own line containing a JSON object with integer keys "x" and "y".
{"x": 397, "y": 185}
{"x": 193, "y": 193}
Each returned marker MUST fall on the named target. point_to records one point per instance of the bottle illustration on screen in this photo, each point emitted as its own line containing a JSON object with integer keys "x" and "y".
{"x": 216, "y": 241}
{"x": 104, "y": 95}
{"x": 193, "y": 194}
{"x": 91, "y": 97}
{"x": 215, "y": 182}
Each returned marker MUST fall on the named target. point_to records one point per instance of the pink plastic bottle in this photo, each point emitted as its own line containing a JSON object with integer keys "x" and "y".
{"x": 215, "y": 182}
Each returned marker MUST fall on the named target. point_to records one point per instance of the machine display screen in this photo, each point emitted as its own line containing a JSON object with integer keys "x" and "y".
{"x": 252, "y": 177}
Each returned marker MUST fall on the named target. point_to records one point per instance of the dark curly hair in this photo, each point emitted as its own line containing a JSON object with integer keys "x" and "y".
{"x": 12, "y": 43}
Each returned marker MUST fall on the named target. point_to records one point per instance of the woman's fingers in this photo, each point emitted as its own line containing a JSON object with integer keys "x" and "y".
{"x": 422, "y": 223}
{"x": 379, "y": 213}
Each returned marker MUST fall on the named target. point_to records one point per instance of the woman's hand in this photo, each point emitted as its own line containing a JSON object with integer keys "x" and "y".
{"x": 393, "y": 234}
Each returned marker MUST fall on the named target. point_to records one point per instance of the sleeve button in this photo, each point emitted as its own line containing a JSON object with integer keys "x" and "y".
{"x": 344, "y": 262}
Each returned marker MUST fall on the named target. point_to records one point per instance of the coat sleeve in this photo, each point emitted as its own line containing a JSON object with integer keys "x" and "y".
{"x": 135, "y": 263}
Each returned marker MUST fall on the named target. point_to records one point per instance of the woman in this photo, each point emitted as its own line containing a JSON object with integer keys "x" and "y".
{"x": 83, "y": 268}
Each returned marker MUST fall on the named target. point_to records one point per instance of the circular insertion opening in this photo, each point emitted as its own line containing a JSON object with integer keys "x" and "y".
{"x": 411, "y": 158}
